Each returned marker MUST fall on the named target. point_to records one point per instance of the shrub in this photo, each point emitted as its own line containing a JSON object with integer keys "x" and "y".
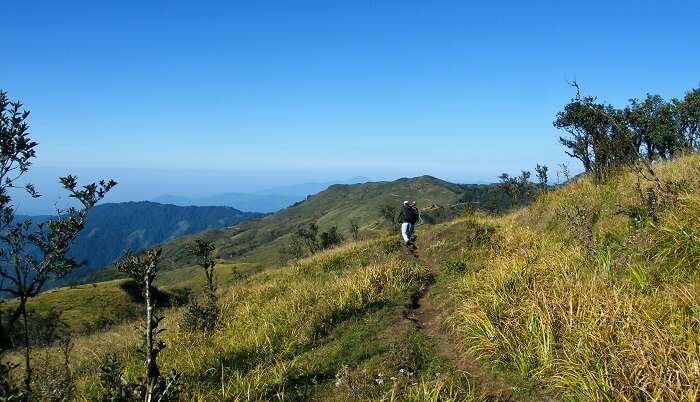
{"x": 306, "y": 241}
{"x": 8, "y": 390}
{"x": 390, "y": 214}
{"x": 115, "y": 388}
{"x": 480, "y": 235}
{"x": 331, "y": 238}
{"x": 53, "y": 379}
{"x": 581, "y": 221}
{"x": 200, "y": 316}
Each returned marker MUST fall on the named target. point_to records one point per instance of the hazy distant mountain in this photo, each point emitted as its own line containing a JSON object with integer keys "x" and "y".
{"x": 269, "y": 200}
{"x": 304, "y": 189}
{"x": 241, "y": 201}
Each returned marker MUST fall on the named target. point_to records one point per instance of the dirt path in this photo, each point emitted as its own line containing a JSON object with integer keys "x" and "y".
{"x": 428, "y": 311}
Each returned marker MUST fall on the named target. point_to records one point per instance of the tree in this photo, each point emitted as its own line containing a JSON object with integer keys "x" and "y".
{"x": 355, "y": 230}
{"x": 563, "y": 172}
{"x": 331, "y": 238}
{"x": 688, "y": 118}
{"x": 306, "y": 241}
{"x": 605, "y": 138}
{"x": 202, "y": 316}
{"x": 32, "y": 254}
{"x": 308, "y": 237}
{"x": 143, "y": 269}
{"x": 598, "y": 135}
{"x": 641, "y": 117}
{"x": 389, "y": 213}
{"x": 302, "y": 243}
{"x": 509, "y": 186}
{"x": 542, "y": 179}
{"x": 656, "y": 127}
{"x": 204, "y": 250}
{"x": 523, "y": 184}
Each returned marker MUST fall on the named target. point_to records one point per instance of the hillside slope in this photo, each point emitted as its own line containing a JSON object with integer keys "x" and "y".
{"x": 592, "y": 293}
{"x": 337, "y": 206}
{"x": 260, "y": 241}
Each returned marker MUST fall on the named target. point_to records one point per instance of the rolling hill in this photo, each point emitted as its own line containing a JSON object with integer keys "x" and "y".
{"x": 261, "y": 240}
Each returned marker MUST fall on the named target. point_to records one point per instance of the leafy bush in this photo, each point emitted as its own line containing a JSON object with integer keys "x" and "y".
{"x": 8, "y": 390}
{"x": 581, "y": 220}
{"x": 43, "y": 328}
{"x": 115, "y": 388}
{"x": 331, "y": 238}
{"x": 307, "y": 241}
{"x": 200, "y": 316}
{"x": 389, "y": 213}
{"x": 53, "y": 379}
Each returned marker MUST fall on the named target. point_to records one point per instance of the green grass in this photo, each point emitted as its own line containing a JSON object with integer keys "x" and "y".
{"x": 84, "y": 305}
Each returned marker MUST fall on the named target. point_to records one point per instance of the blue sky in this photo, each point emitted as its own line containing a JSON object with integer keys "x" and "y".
{"x": 268, "y": 93}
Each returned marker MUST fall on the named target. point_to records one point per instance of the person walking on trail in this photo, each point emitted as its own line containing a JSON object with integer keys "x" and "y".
{"x": 408, "y": 217}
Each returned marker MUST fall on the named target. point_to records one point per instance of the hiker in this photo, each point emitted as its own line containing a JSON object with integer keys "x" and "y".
{"x": 408, "y": 218}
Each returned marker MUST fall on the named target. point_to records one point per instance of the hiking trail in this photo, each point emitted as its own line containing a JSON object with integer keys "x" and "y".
{"x": 428, "y": 311}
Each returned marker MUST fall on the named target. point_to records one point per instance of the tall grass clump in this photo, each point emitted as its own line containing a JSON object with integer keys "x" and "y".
{"x": 678, "y": 238}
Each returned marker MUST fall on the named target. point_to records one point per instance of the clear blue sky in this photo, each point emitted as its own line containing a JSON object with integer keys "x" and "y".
{"x": 273, "y": 92}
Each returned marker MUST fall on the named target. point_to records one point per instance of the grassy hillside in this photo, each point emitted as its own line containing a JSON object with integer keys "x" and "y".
{"x": 112, "y": 228}
{"x": 89, "y": 307}
{"x": 328, "y": 327}
{"x": 261, "y": 240}
{"x": 337, "y": 206}
{"x": 591, "y": 293}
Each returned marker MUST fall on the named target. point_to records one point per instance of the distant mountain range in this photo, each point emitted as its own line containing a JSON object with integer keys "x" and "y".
{"x": 241, "y": 201}
{"x": 269, "y": 200}
{"x": 110, "y": 229}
